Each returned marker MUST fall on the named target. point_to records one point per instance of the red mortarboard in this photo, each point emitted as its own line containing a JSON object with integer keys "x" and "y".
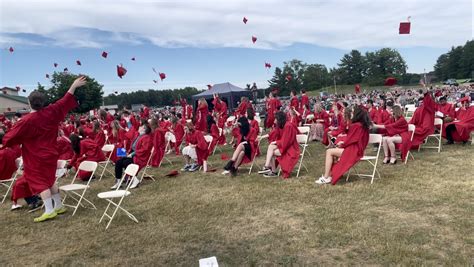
{"x": 55, "y": 65}
{"x": 65, "y": 70}
{"x": 133, "y": 58}
{"x": 47, "y": 76}
{"x": 154, "y": 70}
{"x": 289, "y": 77}
{"x": 245, "y": 20}
{"x": 78, "y": 62}
{"x": 268, "y": 65}
{"x": 116, "y": 92}
{"x": 339, "y": 106}
{"x": 357, "y": 88}
{"x": 390, "y": 81}
{"x": 155, "y": 81}
{"x": 438, "y": 93}
{"x": 18, "y": 88}
{"x": 24, "y": 91}
{"x": 162, "y": 76}
{"x": 172, "y": 173}
{"x": 224, "y": 156}
{"x": 464, "y": 99}
{"x": 404, "y": 27}
{"x": 11, "y": 49}
{"x": 254, "y": 39}
{"x": 105, "y": 54}
{"x": 121, "y": 71}
{"x": 212, "y": 170}
{"x": 209, "y": 87}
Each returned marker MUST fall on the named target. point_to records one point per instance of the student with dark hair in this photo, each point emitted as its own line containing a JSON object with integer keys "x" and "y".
{"x": 213, "y": 131}
{"x": 285, "y": 150}
{"x": 350, "y": 151}
{"x": 37, "y": 133}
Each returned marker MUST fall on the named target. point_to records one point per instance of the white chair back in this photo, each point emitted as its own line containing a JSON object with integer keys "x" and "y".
{"x": 375, "y": 139}
{"x": 230, "y": 118}
{"x": 132, "y": 170}
{"x": 170, "y": 137}
{"x": 208, "y": 138}
{"x": 88, "y": 166}
{"x": 438, "y": 121}
{"x": 310, "y": 117}
{"x": 61, "y": 164}
{"x": 302, "y": 138}
{"x": 304, "y": 129}
{"x": 19, "y": 163}
{"x": 108, "y": 148}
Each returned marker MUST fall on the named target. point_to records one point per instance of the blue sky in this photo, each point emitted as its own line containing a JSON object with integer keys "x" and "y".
{"x": 205, "y": 42}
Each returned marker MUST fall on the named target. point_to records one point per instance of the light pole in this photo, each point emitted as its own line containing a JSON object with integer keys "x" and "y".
{"x": 335, "y": 88}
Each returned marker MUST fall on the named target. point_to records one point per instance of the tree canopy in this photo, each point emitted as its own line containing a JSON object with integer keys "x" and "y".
{"x": 458, "y": 63}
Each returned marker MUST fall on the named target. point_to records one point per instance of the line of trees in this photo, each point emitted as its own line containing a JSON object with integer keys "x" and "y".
{"x": 371, "y": 68}
{"x": 457, "y": 63}
{"x": 151, "y": 98}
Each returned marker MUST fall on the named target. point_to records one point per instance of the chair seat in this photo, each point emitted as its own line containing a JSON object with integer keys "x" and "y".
{"x": 434, "y": 135}
{"x": 73, "y": 187}
{"x": 60, "y": 172}
{"x": 368, "y": 158}
{"x": 6, "y": 180}
{"x": 113, "y": 194}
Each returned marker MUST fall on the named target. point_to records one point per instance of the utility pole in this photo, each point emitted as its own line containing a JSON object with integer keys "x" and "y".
{"x": 335, "y": 88}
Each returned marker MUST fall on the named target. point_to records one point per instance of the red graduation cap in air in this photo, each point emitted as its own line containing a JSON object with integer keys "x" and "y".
{"x": 162, "y": 76}
{"x": 47, "y": 76}
{"x": 268, "y": 65}
{"x": 11, "y": 49}
{"x": 78, "y": 62}
{"x": 18, "y": 88}
{"x": 24, "y": 91}
{"x": 133, "y": 58}
{"x": 155, "y": 81}
{"x": 405, "y": 27}
{"x": 121, "y": 71}
{"x": 55, "y": 65}
{"x": 65, "y": 70}
{"x": 116, "y": 92}
{"x": 357, "y": 88}
{"x": 245, "y": 20}
{"x": 209, "y": 87}
{"x": 390, "y": 81}
{"x": 254, "y": 39}
{"x": 289, "y": 77}
{"x": 105, "y": 54}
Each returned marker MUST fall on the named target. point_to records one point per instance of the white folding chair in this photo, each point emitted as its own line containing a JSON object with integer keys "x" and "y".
{"x": 305, "y": 130}
{"x": 169, "y": 138}
{"x": 411, "y": 128}
{"x": 61, "y": 170}
{"x": 437, "y": 136}
{"x": 372, "y": 160}
{"x": 208, "y": 139}
{"x": 103, "y": 164}
{"x": 77, "y": 191}
{"x": 217, "y": 144}
{"x": 409, "y": 110}
{"x": 302, "y": 140}
{"x": 131, "y": 171}
{"x": 148, "y": 166}
{"x": 8, "y": 183}
{"x": 259, "y": 140}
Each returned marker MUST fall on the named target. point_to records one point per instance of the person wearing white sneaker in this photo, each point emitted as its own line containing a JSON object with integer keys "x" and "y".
{"x": 135, "y": 182}
{"x": 350, "y": 151}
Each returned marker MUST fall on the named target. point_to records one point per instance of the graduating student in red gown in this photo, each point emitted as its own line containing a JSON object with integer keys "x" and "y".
{"x": 159, "y": 143}
{"x": 245, "y": 150}
{"x": 213, "y": 131}
{"x": 285, "y": 150}
{"x": 337, "y": 121}
{"x": 37, "y": 133}
{"x": 117, "y": 138}
{"x": 460, "y": 129}
{"x": 139, "y": 154}
{"x": 220, "y": 107}
{"x": 195, "y": 140}
{"x": 349, "y": 152}
{"x": 64, "y": 147}
{"x": 319, "y": 123}
{"x": 178, "y": 131}
{"x": 304, "y": 100}
{"x": 243, "y": 106}
{"x": 273, "y": 106}
{"x": 396, "y": 133}
{"x": 448, "y": 111}
{"x": 7, "y": 160}
{"x": 85, "y": 149}
{"x": 201, "y": 115}
{"x": 294, "y": 103}
{"x": 423, "y": 119}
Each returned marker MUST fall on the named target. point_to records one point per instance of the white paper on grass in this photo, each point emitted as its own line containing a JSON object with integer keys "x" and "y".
{"x": 208, "y": 262}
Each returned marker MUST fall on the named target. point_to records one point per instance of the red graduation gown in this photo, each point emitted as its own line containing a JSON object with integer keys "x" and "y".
{"x": 400, "y": 127}
{"x": 201, "y": 118}
{"x": 464, "y": 125}
{"x": 7, "y": 161}
{"x": 215, "y": 137}
{"x": 178, "y": 131}
{"x": 89, "y": 150}
{"x": 159, "y": 144}
{"x": 197, "y": 138}
{"x": 143, "y": 150}
{"x": 423, "y": 119}
{"x": 289, "y": 149}
{"x": 37, "y": 133}
{"x": 354, "y": 146}
{"x": 273, "y": 106}
{"x": 64, "y": 148}
{"x": 304, "y": 101}
{"x": 294, "y": 103}
{"x": 447, "y": 110}
{"x": 252, "y": 141}
{"x": 118, "y": 141}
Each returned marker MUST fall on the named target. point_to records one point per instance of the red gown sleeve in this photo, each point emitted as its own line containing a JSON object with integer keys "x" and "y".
{"x": 353, "y": 136}
{"x": 287, "y": 138}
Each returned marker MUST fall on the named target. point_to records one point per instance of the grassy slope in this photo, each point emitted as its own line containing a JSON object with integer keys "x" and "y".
{"x": 416, "y": 214}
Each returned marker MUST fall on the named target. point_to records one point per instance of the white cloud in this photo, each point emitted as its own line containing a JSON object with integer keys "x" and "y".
{"x": 340, "y": 24}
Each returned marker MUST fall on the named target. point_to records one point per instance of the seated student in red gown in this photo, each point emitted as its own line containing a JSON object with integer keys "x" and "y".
{"x": 319, "y": 123}
{"x": 340, "y": 134}
{"x": 254, "y": 125}
{"x": 84, "y": 149}
{"x": 8, "y": 155}
{"x": 423, "y": 119}
{"x": 445, "y": 110}
{"x": 294, "y": 116}
{"x": 196, "y": 152}
{"x": 372, "y": 110}
{"x": 244, "y": 152}
{"x": 460, "y": 129}
{"x": 273, "y": 105}
{"x": 243, "y": 106}
{"x": 213, "y": 131}
{"x": 98, "y": 134}
{"x": 337, "y": 119}
{"x": 139, "y": 154}
{"x": 396, "y": 133}
{"x": 285, "y": 151}
{"x": 117, "y": 138}
{"x": 37, "y": 133}
{"x": 304, "y": 100}
{"x": 178, "y": 131}
{"x": 63, "y": 146}
{"x": 349, "y": 152}
{"x": 294, "y": 103}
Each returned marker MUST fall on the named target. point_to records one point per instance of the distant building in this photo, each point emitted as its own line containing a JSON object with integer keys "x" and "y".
{"x": 9, "y": 91}
{"x": 12, "y": 102}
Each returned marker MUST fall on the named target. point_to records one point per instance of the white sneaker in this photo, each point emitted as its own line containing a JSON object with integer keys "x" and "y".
{"x": 116, "y": 185}
{"x": 135, "y": 182}
{"x": 323, "y": 180}
{"x": 225, "y": 172}
{"x": 16, "y": 206}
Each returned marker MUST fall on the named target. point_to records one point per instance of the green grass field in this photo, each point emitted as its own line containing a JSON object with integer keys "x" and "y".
{"x": 417, "y": 214}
